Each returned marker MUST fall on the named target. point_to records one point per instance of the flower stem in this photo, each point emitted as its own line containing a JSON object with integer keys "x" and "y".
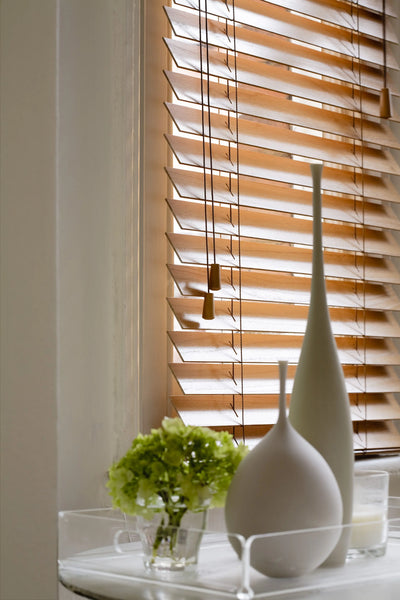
{"x": 168, "y": 533}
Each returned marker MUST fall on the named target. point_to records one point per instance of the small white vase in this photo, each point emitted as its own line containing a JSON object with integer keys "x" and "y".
{"x": 319, "y": 404}
{"x": 282, "y": 485}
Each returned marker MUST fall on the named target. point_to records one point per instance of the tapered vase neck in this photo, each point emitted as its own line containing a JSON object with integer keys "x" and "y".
{"x": 282, "y": 420}
{"x": 318, "y": 292}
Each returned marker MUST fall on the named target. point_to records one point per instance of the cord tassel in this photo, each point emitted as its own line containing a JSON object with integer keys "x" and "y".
{"x": 208, "y": 306}
{"x": 215, "y": 277}
{"x": 385, "y": 105}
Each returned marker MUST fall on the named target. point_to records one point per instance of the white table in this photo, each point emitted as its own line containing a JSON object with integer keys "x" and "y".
{"x": 101, "y": 588}
{"x": 108, "y": 576}
{"x": 91, "y": 567}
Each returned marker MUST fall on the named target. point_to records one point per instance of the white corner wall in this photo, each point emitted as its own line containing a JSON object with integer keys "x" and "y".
{"x": 28, "y": 490}
{"x": 83, "y": 343}
{"x": 111, "y": 245}
{"x": 85, "y": 271}
{"x": 71, "y": 270}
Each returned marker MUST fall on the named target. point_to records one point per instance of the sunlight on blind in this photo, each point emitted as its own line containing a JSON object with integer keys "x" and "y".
{"x": 258, "y": 91}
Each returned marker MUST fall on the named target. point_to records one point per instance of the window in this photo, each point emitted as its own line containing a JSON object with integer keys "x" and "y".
{"x": 258, "y": 91}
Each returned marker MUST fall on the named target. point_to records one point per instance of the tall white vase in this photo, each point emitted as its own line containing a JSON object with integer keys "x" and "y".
{"x": 319, "y": 405}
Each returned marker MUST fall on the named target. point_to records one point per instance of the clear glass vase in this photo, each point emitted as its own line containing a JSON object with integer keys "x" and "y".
{"x": 168, "y": 547}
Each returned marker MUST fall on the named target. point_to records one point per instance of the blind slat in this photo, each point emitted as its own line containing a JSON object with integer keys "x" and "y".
{"x": 382, "y": 437}
{"x": 268, "y": 17}
{"x": 269, "y": 76}
{"x": 268, "y": 286}
{"x": 276, "y": 139}
{"x": 261, "y": 103}
{"x": 269, "y": 317}
{"x": 209, "y": 346}
{"x": 210, "y": 410}
{"x": 257, "y": 379}
{"x": 344, "y": 14}
{"x": 266, "y": 225}
{"x": 257, "y": 193}
{"x": 276, "y": 168}
{"x": 260, "y": 44}
{"x": 377, "y": 6}
{"x": 282, "y": 258}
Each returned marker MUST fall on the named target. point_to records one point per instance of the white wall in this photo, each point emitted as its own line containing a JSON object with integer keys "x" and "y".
{"x": 28, "y": 300}
{"x": 154, "y": 152}
{"x": 88, "y": 310}
{"x": 80, "y": 331}
{"x": 80, "y": 324}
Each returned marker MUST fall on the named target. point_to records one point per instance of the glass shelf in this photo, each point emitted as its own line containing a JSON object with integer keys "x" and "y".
{"x": 87, "y": 549}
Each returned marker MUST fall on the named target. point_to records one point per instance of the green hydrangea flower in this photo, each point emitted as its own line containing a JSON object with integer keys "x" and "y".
{"x": 175, "y": 468}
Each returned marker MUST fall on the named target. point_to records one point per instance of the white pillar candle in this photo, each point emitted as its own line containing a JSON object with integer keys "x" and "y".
{"x": 369, "y": 527}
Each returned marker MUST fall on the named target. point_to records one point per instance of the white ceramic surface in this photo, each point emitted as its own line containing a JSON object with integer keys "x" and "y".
{"x": 319, "y": 405}
{"x": 284, "y": 484}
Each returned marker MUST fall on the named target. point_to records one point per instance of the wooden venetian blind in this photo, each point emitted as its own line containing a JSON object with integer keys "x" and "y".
{"x": 258, "y": 91}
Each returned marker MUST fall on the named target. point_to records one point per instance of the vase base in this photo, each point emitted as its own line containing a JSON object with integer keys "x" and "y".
{"x": 167, "y": 564}
{"x": 171, "y": 549}
{"x": 374, "y": 552}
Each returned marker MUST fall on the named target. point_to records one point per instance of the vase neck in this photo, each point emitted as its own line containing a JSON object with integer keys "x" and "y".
{"x": 318, "y": 278}
{"x": 282, "y": 391}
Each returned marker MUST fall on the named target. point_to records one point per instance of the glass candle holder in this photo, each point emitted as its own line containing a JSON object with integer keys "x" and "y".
{"x": 370, "y": 507}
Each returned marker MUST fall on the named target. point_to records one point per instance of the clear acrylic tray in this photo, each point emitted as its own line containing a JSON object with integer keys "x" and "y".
{"x": 88, "y": 552}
